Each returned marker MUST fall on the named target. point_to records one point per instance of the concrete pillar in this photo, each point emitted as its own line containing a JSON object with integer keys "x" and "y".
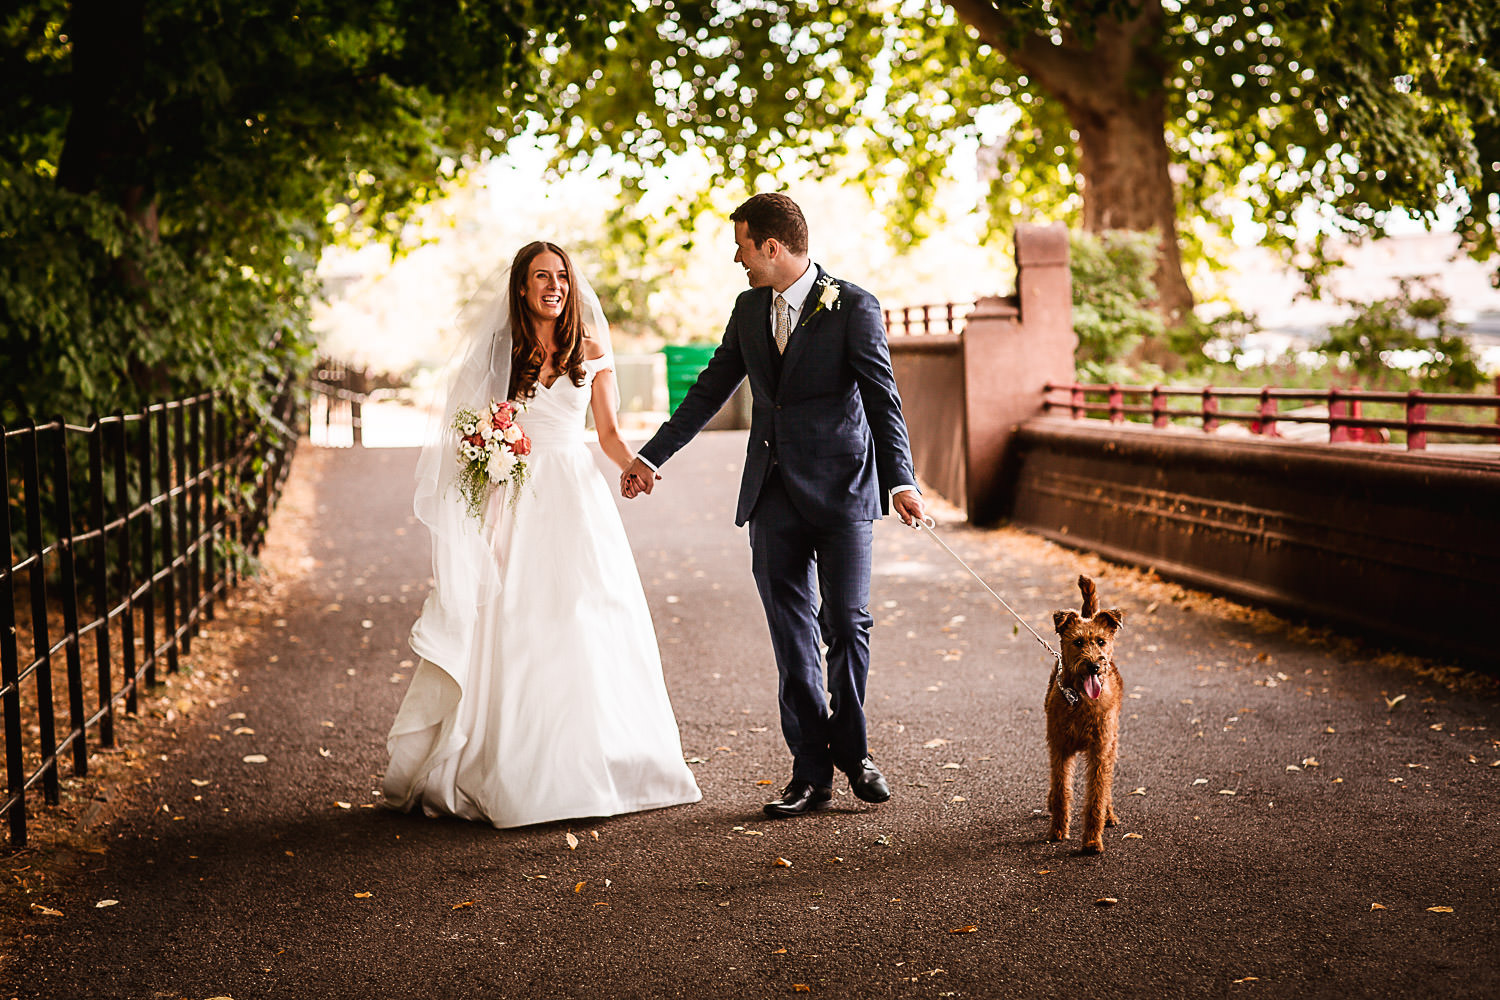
{"x": 1011, "y": 349}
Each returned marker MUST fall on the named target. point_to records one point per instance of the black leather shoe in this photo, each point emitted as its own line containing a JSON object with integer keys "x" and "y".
{"x": 867, "y": 782}
{"x": 799, "y": 797}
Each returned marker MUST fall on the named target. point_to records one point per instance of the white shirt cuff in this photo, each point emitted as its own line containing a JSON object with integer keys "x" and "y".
{"x": 904, "y": 488}
{"x": 647, "y": 463}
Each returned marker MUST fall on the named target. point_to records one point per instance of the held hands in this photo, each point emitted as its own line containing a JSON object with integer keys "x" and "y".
{"x": 908, "y": 505}
{"x": 637, "y": 478}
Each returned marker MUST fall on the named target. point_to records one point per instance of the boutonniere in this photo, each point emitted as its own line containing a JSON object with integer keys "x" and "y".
{"x": 828, "y": 298}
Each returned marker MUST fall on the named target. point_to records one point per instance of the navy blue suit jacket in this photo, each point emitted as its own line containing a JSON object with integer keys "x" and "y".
{"x": 831, "y": 418}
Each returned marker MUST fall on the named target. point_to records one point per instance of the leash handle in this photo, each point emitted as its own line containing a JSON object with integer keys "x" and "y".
{"x": 928, "y": 524}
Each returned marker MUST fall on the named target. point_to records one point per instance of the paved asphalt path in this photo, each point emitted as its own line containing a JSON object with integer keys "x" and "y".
{"x": 268, "y": 887}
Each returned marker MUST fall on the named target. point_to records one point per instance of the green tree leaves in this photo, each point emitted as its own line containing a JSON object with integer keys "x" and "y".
{"x": 172, "y": 170}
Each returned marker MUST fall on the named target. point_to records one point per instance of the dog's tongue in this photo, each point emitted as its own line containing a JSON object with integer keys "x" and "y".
{"x": 1092, "y": 687}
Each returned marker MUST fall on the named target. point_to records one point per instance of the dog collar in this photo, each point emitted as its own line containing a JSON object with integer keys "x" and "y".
{"x": 1068, "y": 694}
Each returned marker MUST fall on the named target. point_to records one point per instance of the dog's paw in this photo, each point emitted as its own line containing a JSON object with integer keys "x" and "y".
{"x": 1110, "y": 820}
{"x": 1057, "y": 836}
{"x": 1092, "y": 847}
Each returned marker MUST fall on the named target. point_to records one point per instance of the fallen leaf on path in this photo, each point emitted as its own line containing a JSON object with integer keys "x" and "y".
{"x": 572, "y": 841}
{"x": 579, "y": 886}
{"x": 779, "y": 951}
{"x": 1391, "y": 703}
{"x": 323, "y": 753}
{"x": 363, "y": 895}
{"x": 45, "y": 911}
{"x": 462, "y": 906}
{"x": 255, "y": 758}
{"x": 1310, "y": 762}
{"x": 696, "y": 760}
{"x": 1293, "y": 767}
{"x": 343, "y": 805}
{"x": 1376, "y": 906}
{"x": 884, "y": 840}
{"x": 1132, "y": 836}
{"x": 934, "y": 744}
{"x": 243, "y": 731}
{"x": 967, "y": 929}
{"x": 594, "y": 834}
{"x": 237, "y": 717}
{"x": 1200, "y": 781}
{"x": 200, "y": 782}
{"x": 783, "y": 863}
{"x": 1106, "y": 901}
{"x": 106, "y": 902}
{"x": 1138, "y": 791}
{"x": 1227, "y": 791}
{"x": 951, "y": 766}
{"x": 1440, "y": 909}
{"x": 801, "y": 988}
{"x": 1248, "y": 979}
{"x": 764, "y": 781}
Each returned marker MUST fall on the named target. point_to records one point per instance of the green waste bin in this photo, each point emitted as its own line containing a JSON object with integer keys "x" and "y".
{"x": 684, "y": 363}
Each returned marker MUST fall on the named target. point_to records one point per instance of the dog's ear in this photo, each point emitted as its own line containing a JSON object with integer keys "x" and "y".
{"x": 1113, "y": 617}
{"x": 1062, "y": 619}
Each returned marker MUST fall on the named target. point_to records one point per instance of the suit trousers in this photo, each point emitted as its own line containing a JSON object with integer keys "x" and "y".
{"x": 814, "y": 581}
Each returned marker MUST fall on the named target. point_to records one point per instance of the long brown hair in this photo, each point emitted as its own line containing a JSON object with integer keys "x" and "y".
{"x": 527, "y": 353}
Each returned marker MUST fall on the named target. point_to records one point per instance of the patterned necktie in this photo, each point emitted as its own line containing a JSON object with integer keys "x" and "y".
{"x": 783, "y": 329}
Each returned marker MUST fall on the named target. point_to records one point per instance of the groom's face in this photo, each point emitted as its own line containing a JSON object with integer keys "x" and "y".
{"x": 756, "y": 261}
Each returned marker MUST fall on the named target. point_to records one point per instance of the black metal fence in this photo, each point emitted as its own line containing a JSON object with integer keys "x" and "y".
{"x": 339, "y": 395}
{"x": 129, "y": 530}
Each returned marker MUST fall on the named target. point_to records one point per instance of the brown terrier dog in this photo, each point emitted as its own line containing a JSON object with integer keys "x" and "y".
{"x": 1083, "y": 716}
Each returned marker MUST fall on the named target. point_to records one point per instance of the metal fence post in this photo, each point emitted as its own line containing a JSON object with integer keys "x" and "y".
{"x": 41, "y": 642}
{"x": 15, "y": 783}
{"x": 1416, "y": 420}
{"x": 62, "y": 510}
{"x": 1338, "y": 408}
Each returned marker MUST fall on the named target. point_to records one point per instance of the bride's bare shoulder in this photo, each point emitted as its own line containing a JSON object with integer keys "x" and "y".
{"x": 593, "y": 348}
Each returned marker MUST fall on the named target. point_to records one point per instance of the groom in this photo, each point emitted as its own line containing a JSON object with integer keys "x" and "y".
{"x": 827, "y": 455}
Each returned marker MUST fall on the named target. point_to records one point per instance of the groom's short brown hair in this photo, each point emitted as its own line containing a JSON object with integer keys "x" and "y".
{"x": 773, "y": 216}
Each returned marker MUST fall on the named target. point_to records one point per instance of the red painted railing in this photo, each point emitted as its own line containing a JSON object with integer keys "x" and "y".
{"x": 1340, "y": 410}
{"x": 919, "y": 321}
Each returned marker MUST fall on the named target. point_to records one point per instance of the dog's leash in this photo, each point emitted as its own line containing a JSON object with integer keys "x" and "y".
{"x": 928, "y": 524}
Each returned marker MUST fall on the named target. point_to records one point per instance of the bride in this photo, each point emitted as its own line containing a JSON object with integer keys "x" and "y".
{"x": 539, "y": 693}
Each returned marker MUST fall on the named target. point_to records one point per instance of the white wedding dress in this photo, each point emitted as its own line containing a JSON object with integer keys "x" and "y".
{"x": 559, "y": 710}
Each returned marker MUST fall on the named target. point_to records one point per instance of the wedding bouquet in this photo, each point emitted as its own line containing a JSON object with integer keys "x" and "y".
{"x": 492, "y": 450}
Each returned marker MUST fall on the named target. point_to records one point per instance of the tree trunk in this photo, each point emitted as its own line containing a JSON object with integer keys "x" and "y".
{"x": 1112, "y": 85}
{"x": 1126, "y": 183}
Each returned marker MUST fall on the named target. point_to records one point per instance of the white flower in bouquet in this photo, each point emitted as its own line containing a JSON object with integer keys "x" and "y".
{"x": 502, "y": 462}
{"x": 512, "y": 434}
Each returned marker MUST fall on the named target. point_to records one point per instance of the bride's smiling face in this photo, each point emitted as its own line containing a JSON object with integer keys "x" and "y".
{"x": 546, "y": 287}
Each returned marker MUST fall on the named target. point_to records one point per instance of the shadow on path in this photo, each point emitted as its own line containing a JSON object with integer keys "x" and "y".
{"x": 1279, "y": 798}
